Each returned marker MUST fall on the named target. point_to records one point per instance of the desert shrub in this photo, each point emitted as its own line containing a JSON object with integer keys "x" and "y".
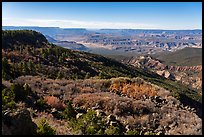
{"x": 100, "y": 132}
{"x": 90, "y": 99}
{"x": 88, "y": 124}
{"x": 107, "y": 101}
{"x": 176, "y": 95}
{"x": 54, "y": 102}
{"x": 44, "y": 128}
{"x": 149, "y": 133}
{"x": 17, "y": 92}
{"x": 87, "y": 76}
{"x": 91, "y": 130}
{"x": 99, "y": 85}
{"x": 59, "y": 75}
{"x": 8, "y": 97}
{"x": 135, "y": 88}
{"x": 111, "y": 130}
{"x": 69, "y": 111}
{"x": 21, "y": 91}
{"x": 123, "y": 107}
{"x": 87, "y": 90}
{"x": 133, "y": 132}
{"x": 6, "y": 69}
{"x": 41, "y": 103}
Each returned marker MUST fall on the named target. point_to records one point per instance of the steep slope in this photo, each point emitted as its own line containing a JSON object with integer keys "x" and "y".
{"x": 11, "y": 39}
{"x": 185, "y": 57}
{"x": 45, "y": 57}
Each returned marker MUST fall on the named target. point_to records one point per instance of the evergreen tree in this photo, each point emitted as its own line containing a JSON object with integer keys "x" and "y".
{"x": 69, "y": 111}
{"x": 20, "y": 93}
{"x": 5, "y": 69}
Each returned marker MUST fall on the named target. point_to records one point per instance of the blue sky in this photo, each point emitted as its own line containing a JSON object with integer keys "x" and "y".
{"x": 135, "y": 15}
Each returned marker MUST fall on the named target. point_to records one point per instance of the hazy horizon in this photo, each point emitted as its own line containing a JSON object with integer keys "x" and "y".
{"x": 101, "y": 28}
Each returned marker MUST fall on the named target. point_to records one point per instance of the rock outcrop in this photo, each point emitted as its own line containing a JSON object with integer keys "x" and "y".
{"x": 187, "y": 75}
{"x": 18, "y": 122}
{"x": 166, "y": 74}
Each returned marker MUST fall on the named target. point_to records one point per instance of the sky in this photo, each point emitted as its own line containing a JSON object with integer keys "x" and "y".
{"x": 97, "y": 15}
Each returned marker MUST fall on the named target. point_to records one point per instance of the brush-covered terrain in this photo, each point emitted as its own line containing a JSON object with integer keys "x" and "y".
{"x": 188, "y": 56}
{"x": 52, "y": 90}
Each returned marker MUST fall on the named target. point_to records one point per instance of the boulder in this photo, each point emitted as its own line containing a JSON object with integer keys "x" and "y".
{"x": 18, "y": 123}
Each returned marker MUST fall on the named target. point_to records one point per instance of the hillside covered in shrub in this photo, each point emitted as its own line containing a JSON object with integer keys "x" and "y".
{"x": 71, "y": 86}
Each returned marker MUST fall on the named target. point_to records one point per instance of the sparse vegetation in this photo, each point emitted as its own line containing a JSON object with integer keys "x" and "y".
{"x": 44, "y": 128}
{"x": 91, "y": 124}
{"x": 21, "y": 92}
{"x": 132, "y": 132}
{"x": 13, "y": 94}
{"x": 41, "y": 104}
{"x": 111, "y": 130}
{"x": 69, "y": 111}
{"x": 8, "y": 97}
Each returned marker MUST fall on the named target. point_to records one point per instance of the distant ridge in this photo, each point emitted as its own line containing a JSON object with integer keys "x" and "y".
{"x": 188, "y": 56}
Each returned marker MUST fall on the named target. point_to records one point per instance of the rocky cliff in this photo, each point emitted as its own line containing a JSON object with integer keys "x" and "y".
{"x": 188, "y": 75}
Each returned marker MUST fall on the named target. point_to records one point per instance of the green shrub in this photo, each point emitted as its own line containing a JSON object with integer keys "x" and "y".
{"x": 8, "y": 97}
{"x": 133, "y": 132}
{"x": 41, "y": 104}
{"x": 100, "y": 132}
{"x": 87, "y": 76}
{"x": 17, "y": 92}
{"x": 59, "y": 75}
{"x": 69, "y": 111}
{"x": 88, "y": 124}
{"x": 44, "y": 128}
{"x": 149, "y": 133}
{"x": 176, "y": 95}
{"x": 111, "y": 130}
{"x": 5, "y": 69}
{"x": 91, "y": 130}
{"x": 20, "y": 92}
{"x": 91, "y": 124}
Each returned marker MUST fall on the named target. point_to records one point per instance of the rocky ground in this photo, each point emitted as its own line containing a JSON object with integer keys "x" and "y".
{"x": 118, "y": 102}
